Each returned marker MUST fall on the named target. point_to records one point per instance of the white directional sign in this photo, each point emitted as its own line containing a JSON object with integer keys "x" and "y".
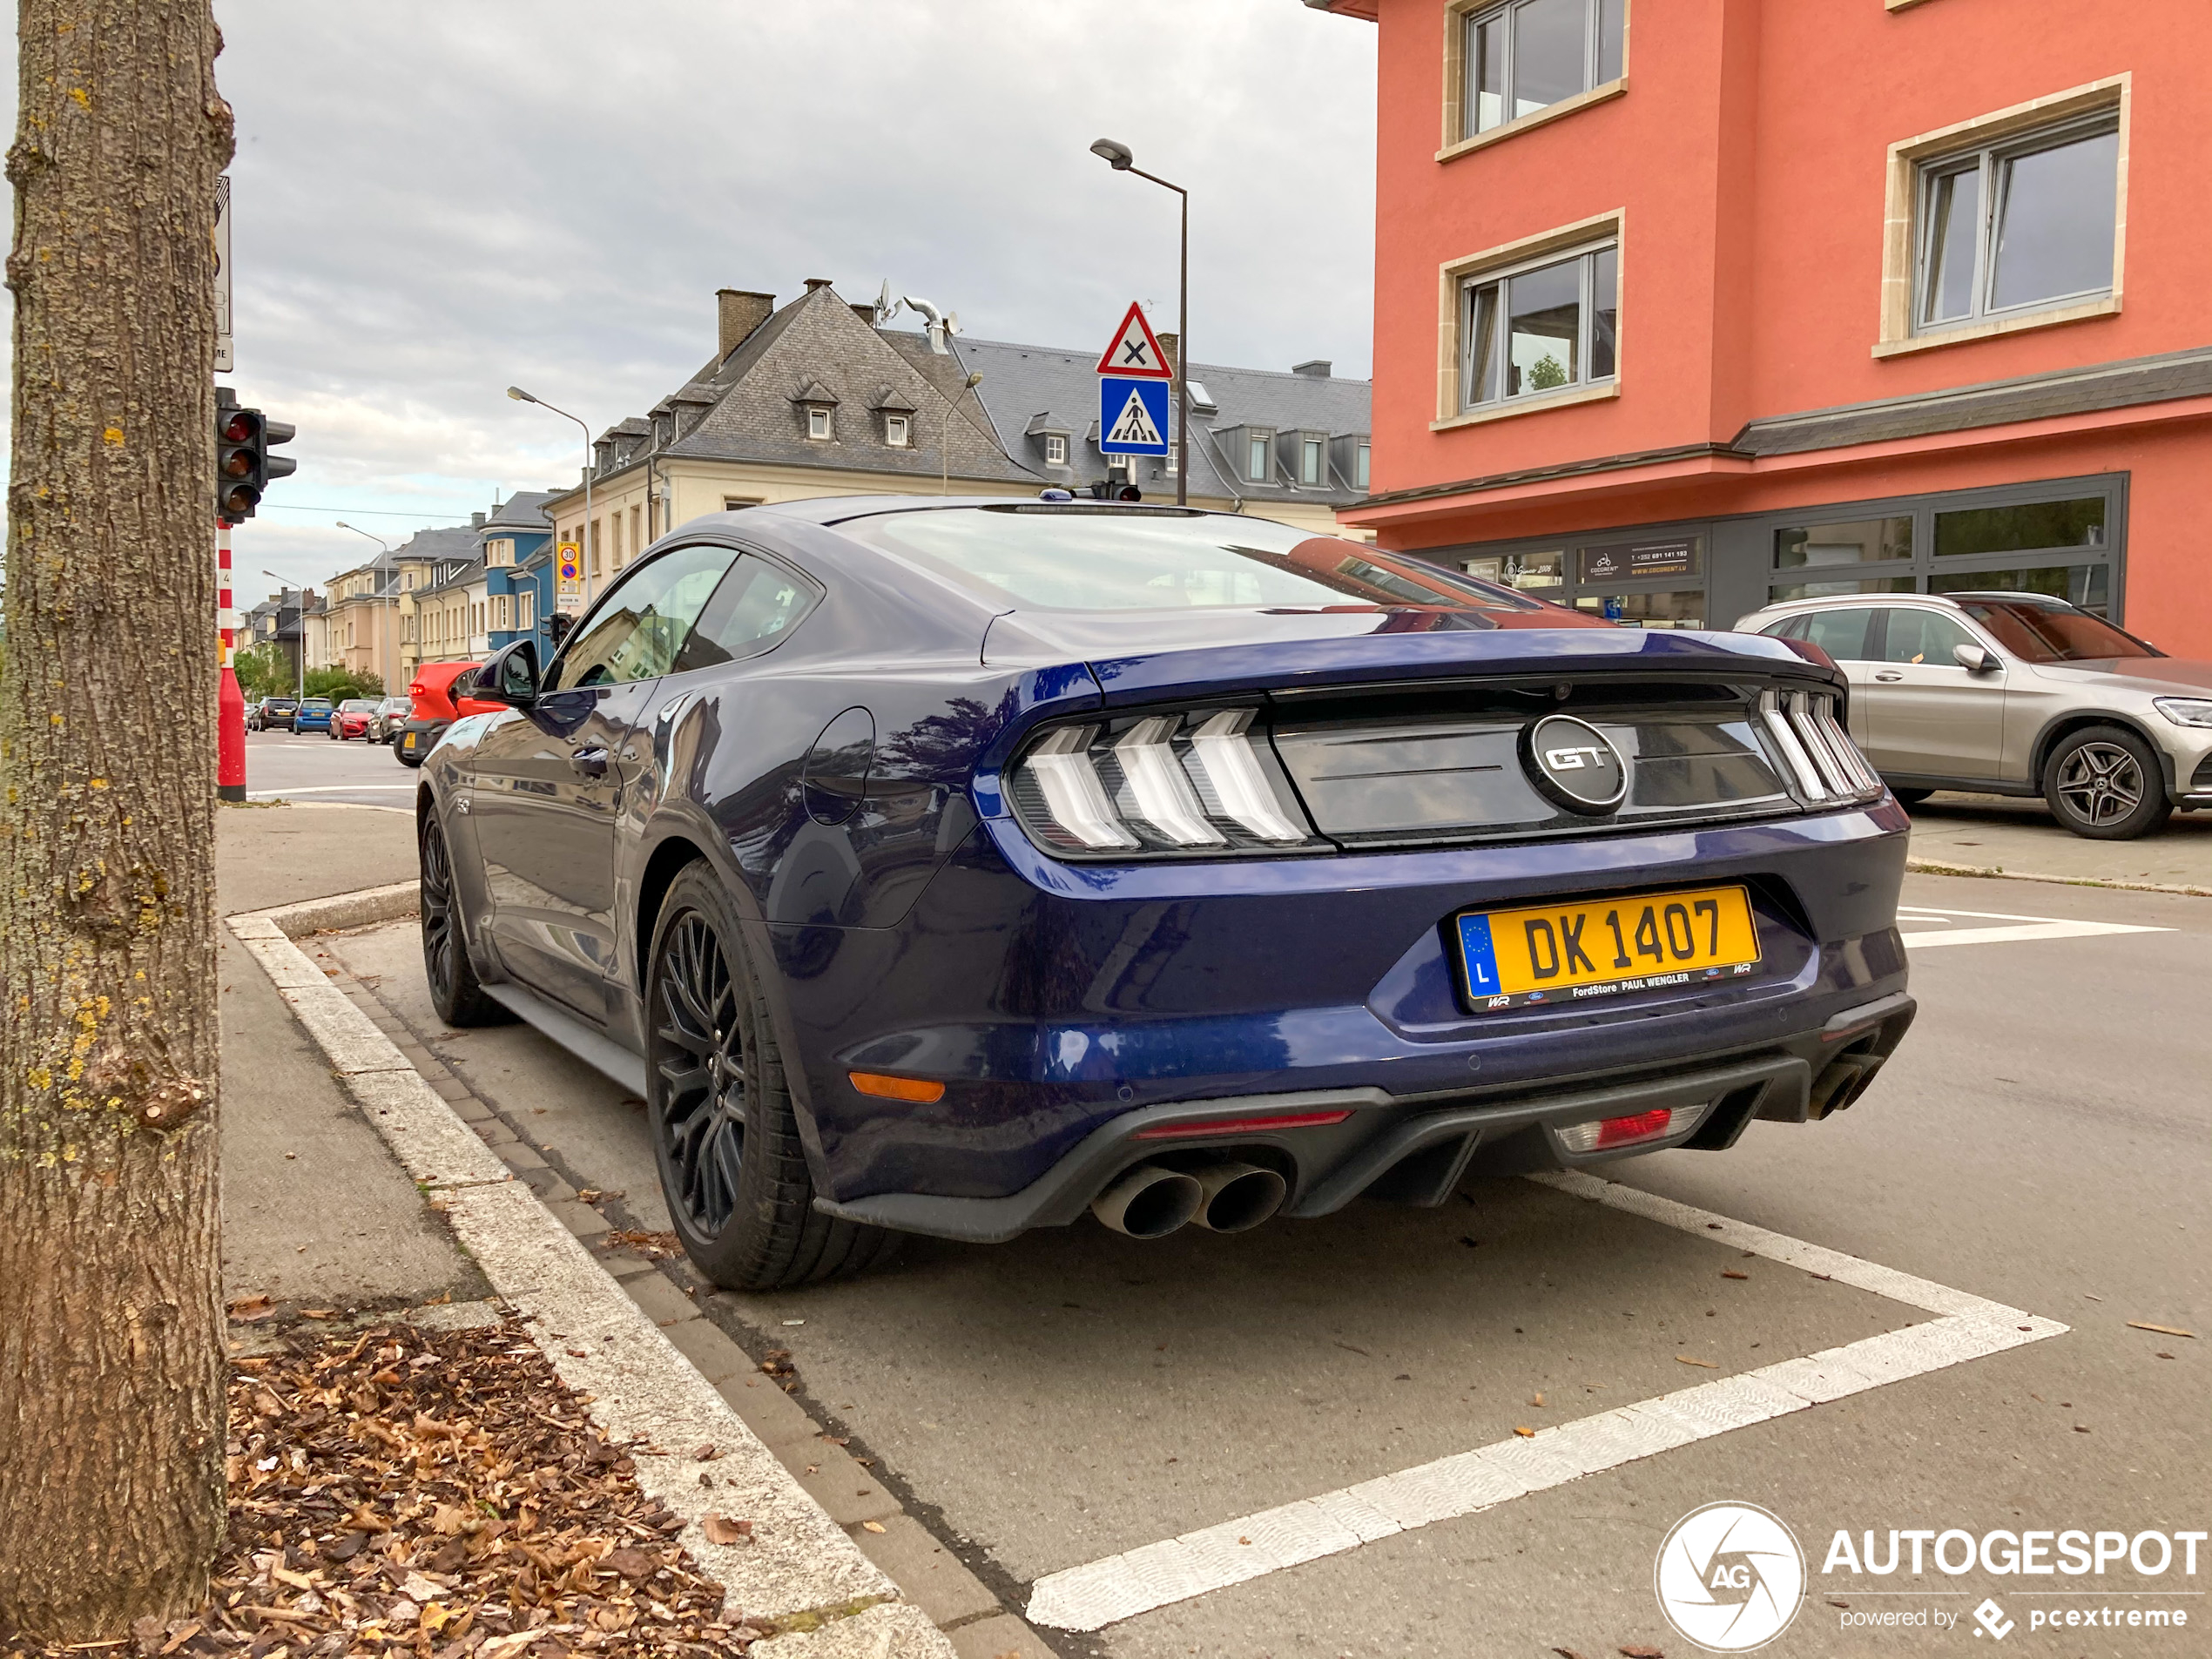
{"x": 223, "y": 275}
{"x": 1136, "y": 350}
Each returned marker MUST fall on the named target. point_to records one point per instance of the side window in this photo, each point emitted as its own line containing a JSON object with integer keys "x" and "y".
{"x": 642, "y": 625}
{"x": 1842, "y": 634}
{"x": 758, "y": 603}
{"x": 1924, "y": 636}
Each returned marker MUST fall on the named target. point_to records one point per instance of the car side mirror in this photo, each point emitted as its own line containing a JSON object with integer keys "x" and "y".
{"x": 1975, "y": 659}
{"x": 511, "y": 676}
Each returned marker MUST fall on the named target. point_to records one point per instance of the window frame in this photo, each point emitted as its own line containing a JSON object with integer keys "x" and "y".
{"x": 1987, "y": 161}
{"x": 1055, "y": 448}
{"x": 823, "y": 415}
{"x": 1904, "y": 241}
{"x": 898, "y": 431}
{"x": 1259, "y": 440}
{"x": 1462, "y": 103}
{"x": 1501, "y": 323}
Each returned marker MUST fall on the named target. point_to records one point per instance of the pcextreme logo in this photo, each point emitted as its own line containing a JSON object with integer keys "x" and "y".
{"x": 1729, "y": 1577}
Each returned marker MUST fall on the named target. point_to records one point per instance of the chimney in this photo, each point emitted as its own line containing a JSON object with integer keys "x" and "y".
{"x": 815, "y": 285}
{"x": 737, "y": 313}
{"x": 1315, "y": 369}
{"x": 1170, "y": 348}
{"x": 475, "y": 521}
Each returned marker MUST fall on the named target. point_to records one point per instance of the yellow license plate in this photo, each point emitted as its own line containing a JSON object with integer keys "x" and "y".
{"x": 1571, "y": 952}
{"x": 409, "y": 742}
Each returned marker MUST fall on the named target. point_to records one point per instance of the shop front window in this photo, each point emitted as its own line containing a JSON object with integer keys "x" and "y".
{"x": 1543, "y": 573}
{"x": 1783, "y": 591}
{"x": 1673, "y": 608}
{"x": 2029, "y": 527}
{"x": 2088, "y": 586}
{"x": 1853, "y": 542}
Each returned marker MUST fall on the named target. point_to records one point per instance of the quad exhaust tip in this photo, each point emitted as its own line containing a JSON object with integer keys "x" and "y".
{"x": 1151, "y": 1201}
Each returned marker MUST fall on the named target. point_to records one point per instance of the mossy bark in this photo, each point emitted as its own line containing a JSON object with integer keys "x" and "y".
{"x": 111, "y": 1408}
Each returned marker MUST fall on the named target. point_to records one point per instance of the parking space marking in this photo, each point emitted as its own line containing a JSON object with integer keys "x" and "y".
{"x": 1925, "y": 928}
{"x": 322, "y": 789}
{"x": 1104, "y": 1592}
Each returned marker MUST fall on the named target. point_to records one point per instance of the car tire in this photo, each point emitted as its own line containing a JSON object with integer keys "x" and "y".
{"x": 724, "y": 1127}
{"x": 2104, "y": 783}
{"x": 1909, "y": 797}
{"x": 455, "y": 990}
{"x": 405, "y": 758}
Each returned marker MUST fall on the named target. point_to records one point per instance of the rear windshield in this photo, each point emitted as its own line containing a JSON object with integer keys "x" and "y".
{"x": 1082, "y": 558}
{"x": 2046, "y": 634}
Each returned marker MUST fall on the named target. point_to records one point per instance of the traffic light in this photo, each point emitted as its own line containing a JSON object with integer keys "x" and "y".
{"x": 243, "y": 464}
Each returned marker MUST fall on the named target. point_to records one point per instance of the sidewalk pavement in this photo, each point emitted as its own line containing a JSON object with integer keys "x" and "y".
{"x": 2003, "y": 835}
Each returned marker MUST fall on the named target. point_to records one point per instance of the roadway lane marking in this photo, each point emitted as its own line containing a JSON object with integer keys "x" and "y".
{"x": 1926, "y": 928}
{"x": 319, "y": 789}
{"x": 1104, "y": 1592}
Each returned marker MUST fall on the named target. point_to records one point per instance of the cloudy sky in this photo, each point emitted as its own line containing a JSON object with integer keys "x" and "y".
{"x": 432, "y": 201}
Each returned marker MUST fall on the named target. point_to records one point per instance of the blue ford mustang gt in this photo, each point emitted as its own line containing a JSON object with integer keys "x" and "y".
{"x": 955, "y": 867}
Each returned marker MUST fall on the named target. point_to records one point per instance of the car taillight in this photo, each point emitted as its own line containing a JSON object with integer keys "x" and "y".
{"x": 1603, "y": 1134}
{"x": 1820, "y": 754}
{"x": 1159, "y": 783}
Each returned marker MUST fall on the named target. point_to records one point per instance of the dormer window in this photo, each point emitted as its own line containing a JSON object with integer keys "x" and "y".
{"x": 895, "y": 431}
{"x": 1257, "y": 456}
{"x": 818, "y": 424}
{"x": 1313, "y": 464}
{"x": 1055, "y": 450}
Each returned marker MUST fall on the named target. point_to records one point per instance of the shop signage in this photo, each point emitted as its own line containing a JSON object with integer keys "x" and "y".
{"x": 1631, "y": 560}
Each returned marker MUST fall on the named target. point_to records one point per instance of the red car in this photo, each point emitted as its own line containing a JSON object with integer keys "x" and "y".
{"x": 440, "y": 691}
{"x": 352, "y": 718}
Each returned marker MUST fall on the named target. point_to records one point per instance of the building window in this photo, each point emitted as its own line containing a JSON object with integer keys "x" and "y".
{"x": 636, "y": 522}
{"x": 1545, "y": 328}
{"x": 526, "y": 609}
{"x": 894, "y": 430}
{"x": 738, "y": 503}
{"x": 499, "y": 553}
{"x": 1312, "y": 463}
{"x": 1359, "y": 464}
{"x": 818, "y": 424}
{"x": 597, "y": 542}
{"x": 2019, "y": 225}
{"x": 1525, "y": 56}
{"x": 1257, "y": 456}
{"x": 501, "y": 617}
{"x": 1055, "y": 450}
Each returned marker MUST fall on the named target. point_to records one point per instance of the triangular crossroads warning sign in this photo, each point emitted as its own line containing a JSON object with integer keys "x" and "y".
{"x": 1136, "y": 350}
{"x": 1134, "y": 425}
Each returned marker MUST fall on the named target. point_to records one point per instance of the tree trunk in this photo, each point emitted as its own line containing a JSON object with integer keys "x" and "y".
{"x": 112, "y": 1361}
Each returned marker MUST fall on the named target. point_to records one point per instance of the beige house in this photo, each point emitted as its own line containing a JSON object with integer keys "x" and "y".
{"x": 816, "y": 399}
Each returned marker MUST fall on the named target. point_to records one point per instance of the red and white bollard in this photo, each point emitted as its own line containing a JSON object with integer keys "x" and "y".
{"x": 230, "y": 702}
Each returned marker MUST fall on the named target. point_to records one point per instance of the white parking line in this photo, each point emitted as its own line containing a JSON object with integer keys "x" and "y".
{"x": 1924, "y": 928}
{"x": 319, "y": 789}
{"x": 1100, "y": 1592}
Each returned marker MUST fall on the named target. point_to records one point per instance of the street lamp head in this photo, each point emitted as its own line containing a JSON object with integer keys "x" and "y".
{"x": 975, "y": 379}
{"x": 1119, "y": 157}
{"x": 520, "y": 395}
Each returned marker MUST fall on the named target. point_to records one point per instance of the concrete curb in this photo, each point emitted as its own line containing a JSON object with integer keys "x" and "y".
{"x": 801, "y": 1569}
{"x": 1932, "y": 867}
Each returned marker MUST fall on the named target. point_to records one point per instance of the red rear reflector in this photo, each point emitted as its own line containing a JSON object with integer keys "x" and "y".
{"x": 1619, "y": 1131}
{"x": 1240, "y": 1125}
{"x": 915, "y": 1089}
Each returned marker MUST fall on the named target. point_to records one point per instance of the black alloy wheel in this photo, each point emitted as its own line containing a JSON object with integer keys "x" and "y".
{"x": 699, "y": 1062}
{"x": 724, "y": 1126}
{"x": 455, "y": 990}
{"x": 2104, "y": 783}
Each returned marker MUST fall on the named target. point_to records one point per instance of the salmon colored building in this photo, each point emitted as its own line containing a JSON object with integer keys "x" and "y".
{"x": 1682, "y": 305}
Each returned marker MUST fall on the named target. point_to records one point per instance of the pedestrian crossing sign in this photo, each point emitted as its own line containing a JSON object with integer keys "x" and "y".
{"x": 1132, "y": 415}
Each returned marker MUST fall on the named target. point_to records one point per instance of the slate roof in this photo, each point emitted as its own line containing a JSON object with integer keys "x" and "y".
{"x": 525, "y": 509}
{"x": 1030, "y": 390}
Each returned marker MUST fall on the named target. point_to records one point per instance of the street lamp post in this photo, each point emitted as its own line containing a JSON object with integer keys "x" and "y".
{"x": 945, "y": 434}
{"x": 385, "y": 547}
{"x": 590, "y": 539}
{"x": 1121, "y": 158}
{"x": 302, "y": 657}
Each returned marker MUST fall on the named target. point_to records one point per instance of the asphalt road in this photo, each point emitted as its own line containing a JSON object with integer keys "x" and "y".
{"x": 2041, "y": 1140}
{"x": 314, "y": 768}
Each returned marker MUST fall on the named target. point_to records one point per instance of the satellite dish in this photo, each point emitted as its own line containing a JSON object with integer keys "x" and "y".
{"x": 885, "y": 306}
{"x": 952, "y": 322}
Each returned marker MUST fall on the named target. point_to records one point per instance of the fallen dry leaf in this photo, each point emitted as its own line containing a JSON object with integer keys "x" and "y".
{"x": 1537, "y": 1400}
{"x": 726, "y": 1529}
{"x": 1640, "y": 1652}
{"x": 2163, "y": 1330}
{"x": 247, "y": 1309}
{"x": 1567, "y": 1653}
{"x": 1684, "y": 1360}
{"x": 1729, "y": 1272}
{"x": 1525, "y": 1433}
{"x": 704, "y": 1453}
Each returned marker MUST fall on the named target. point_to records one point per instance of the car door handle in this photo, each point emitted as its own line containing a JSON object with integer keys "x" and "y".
{"x": 1887, "y": 679}
{"x": 592, "y": 763}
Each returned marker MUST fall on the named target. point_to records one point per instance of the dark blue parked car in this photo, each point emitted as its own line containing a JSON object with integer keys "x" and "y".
{"x": 313, "y": 714}
{"x": 956, "y": 868}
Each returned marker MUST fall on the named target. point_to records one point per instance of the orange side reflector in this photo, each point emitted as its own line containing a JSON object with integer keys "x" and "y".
{"x": 913, "y": 1089}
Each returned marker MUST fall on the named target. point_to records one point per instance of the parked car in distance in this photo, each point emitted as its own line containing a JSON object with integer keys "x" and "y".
{"x": 391, "y": 714}
{"x": 2015, "y": 694}
{"x": 278, "y": 712}
{"x": 965, "y": 868}
{"x": 439, "y": 694}
{"x": 352, "y": 718}
{"x": 253, "y": 713}
{"x": 313, "y": 714}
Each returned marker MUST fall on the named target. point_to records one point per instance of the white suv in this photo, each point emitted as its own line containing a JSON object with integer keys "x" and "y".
{"x": 2015, "y": 694}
